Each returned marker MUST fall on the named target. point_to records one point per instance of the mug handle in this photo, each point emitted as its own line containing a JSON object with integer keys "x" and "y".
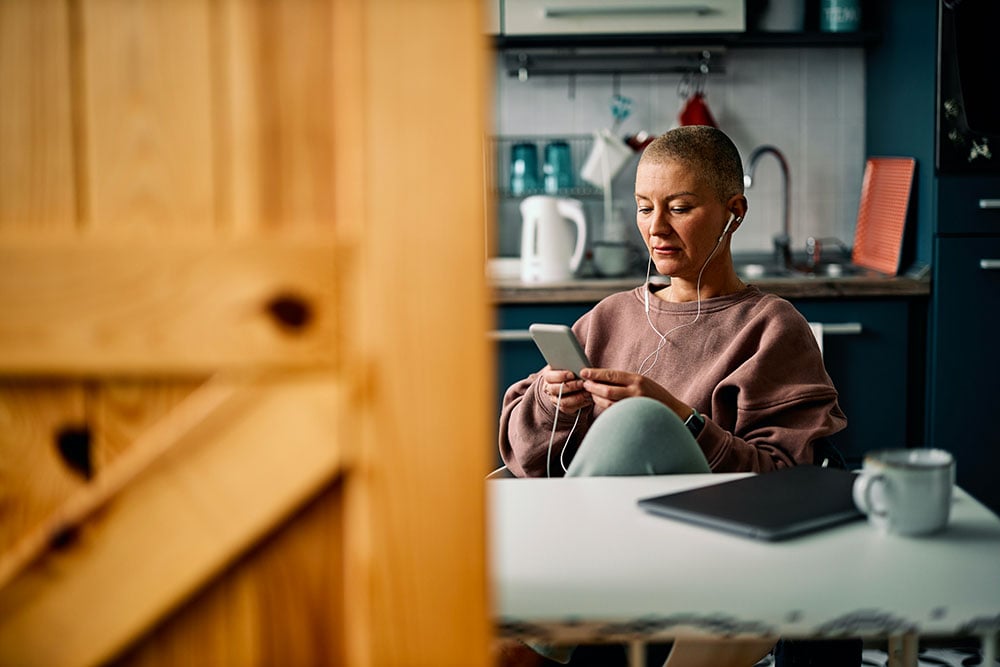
{"x": 862, "y": 492}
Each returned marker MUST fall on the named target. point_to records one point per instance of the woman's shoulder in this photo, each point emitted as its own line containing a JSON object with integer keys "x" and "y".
{"x": 772, "y": 306}
{"x": 620, "y": 300}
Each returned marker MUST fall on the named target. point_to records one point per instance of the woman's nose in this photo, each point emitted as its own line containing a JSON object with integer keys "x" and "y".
{"x": 658, "y": 225}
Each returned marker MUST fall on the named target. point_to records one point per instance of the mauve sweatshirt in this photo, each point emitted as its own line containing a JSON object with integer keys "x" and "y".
{"x": 749, "y": 364}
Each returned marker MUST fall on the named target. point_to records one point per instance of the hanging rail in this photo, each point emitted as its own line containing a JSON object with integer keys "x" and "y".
{"x": 524, "y": 63}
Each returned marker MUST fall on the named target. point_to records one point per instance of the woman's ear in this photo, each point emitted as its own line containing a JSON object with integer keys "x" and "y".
{"x": 737, "y": 205}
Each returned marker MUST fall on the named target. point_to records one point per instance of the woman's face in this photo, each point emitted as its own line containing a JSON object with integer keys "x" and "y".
{"x": 679, "y": 217}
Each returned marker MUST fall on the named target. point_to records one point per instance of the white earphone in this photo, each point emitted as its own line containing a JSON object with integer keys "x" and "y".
{"x": 737, "y": 219}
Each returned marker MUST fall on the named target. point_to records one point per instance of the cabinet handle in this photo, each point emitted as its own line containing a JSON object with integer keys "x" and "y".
{"x": 625, "y": 10}
{"x": 842, "y": 329}
{"x": 989, "y": 203}
{"x": 989, "y": 264}
{"x": 507, "y": 335}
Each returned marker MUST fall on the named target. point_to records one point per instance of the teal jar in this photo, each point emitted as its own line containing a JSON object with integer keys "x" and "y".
{"x": 840, "y": 16}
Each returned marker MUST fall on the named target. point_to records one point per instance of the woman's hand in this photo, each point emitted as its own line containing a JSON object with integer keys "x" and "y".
{"x": 573, "y": 397}
{"x": 606, "y": 387}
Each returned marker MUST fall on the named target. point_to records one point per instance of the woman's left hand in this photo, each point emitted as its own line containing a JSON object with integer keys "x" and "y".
{"x": 607, "y": 387}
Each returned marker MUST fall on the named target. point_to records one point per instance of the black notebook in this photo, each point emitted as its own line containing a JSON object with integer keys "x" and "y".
{"x": 769, "y": 506}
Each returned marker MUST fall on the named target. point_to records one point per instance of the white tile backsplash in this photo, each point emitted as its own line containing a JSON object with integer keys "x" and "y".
{"x": 808, "y": 102}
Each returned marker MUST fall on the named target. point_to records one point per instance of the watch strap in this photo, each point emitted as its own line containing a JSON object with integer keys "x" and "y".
{"x": 695, "y": 423}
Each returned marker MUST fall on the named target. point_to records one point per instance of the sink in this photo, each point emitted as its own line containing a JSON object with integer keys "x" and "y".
{"x": 831, "y": 270}
{"x": 763, "y": 266}
{"x": 759, "y": 270}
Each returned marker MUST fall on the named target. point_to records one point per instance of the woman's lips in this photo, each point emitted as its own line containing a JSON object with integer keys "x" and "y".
{"x": 666, "y": 250}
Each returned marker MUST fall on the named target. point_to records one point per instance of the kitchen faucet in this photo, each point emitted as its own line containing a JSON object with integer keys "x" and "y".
{"x": 782, "y": 241}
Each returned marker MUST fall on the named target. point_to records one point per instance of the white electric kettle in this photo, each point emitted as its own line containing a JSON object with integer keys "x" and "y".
{"x": 549, "y": 252}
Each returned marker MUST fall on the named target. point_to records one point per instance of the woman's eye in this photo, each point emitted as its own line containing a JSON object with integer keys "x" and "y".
{"x": 643, "y": 210}
{"x": 680, "y": 209}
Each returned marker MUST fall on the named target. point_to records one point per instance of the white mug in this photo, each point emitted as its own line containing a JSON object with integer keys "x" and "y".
{"x": 906, "y": 491}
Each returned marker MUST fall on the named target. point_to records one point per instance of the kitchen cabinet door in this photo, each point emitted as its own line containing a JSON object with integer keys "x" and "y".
{"x": 969, "y": 205}
{"x": 965, "y": 362}
{"x": 607, "y": 17}
{"x": 867, "y": 352}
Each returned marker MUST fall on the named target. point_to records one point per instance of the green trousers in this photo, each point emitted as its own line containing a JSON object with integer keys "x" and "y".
{"x": 636, "y": 436}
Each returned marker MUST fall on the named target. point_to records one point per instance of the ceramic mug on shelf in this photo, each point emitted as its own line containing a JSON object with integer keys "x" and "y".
{"x": 906, "y": 491}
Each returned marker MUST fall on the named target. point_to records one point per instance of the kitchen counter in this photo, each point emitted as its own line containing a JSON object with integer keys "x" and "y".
{"x": 870, "y": 284}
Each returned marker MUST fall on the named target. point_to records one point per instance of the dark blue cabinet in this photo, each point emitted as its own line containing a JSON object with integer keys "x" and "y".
{"x": 965, "y": 362}
{"x": 877, "y": 366}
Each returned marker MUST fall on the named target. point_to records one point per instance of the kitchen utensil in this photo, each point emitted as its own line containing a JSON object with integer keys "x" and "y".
{"x": 549, "y": 252}
{"x": 523, "y": 167}
{"x": 885, "y": 196}
{"x": 558, "y": 167}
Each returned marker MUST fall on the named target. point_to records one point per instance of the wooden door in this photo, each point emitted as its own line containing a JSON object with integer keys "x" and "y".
{"x": 244, "y": 377}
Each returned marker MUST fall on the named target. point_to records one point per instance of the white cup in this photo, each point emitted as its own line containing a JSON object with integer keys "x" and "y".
{"x": 906, "y": 491}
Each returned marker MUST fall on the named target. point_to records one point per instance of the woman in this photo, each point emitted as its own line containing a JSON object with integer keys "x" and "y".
{"x": 706, "y": 374}
{"x": 733, "y": 375}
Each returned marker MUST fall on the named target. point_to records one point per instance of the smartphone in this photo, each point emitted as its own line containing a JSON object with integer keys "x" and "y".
{"x": 559, "y": 346}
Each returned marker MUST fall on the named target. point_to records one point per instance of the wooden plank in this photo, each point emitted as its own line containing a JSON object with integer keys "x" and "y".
{"x": 37, "y": 196}
{"x": 34, "y": 479}
{"x": 37, "y": 190}
{"x": 106, "y": 306}
{"x": 147, "y": 116}
{"x": 276, "y": 104}
{"x": 416, "y": 538}
{"x": 120, "y": 411}
{"x": 281, "y": 604}
{"x": 228, "y": 480}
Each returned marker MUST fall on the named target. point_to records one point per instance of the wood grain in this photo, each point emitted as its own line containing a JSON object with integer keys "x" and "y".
{"x": 415, "y": 531}
{"x": 281, "y": 604}
{"x": 37, "y": 187}
{"x": 34, "y": 480}
{"x": 147, "y": 116}
{"x": 107, "y": 306}
{"x": 177, "y": 525}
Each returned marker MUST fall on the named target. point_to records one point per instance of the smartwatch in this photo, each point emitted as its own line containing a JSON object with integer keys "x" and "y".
{"x": 695, "y": 423}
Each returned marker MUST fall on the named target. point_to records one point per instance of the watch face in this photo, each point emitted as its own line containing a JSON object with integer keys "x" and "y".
{"x": 695, "y": 423}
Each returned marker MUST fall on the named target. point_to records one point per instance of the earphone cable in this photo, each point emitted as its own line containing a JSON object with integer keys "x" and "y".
{"x": 552, "y": 436}
{"x": 663, "y": 336}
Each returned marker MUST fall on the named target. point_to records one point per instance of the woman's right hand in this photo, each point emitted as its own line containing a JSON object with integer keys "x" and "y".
{"x": 574, "y": 397}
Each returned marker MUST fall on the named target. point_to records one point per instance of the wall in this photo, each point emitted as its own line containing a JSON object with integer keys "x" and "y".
{"x": 810, "y": 103}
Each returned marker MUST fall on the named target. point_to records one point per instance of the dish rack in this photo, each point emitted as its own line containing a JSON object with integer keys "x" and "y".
{"x": 498, "y": 158}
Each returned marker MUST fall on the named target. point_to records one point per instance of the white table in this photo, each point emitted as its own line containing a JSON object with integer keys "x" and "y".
{"x": 576, "y": 561}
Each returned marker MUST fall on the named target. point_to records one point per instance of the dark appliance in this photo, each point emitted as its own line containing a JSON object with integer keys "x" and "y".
{"x": 968, "y": 112}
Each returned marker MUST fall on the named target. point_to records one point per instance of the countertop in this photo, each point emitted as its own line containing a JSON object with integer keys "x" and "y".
{"x": 868, "y": 284}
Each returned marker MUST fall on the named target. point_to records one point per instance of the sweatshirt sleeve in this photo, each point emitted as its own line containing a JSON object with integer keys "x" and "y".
{"x": 779, "y": 400}
{"x": 526, "y": 431}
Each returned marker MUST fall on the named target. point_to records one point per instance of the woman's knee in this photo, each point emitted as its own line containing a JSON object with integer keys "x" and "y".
{"x": 637, "y": 436}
